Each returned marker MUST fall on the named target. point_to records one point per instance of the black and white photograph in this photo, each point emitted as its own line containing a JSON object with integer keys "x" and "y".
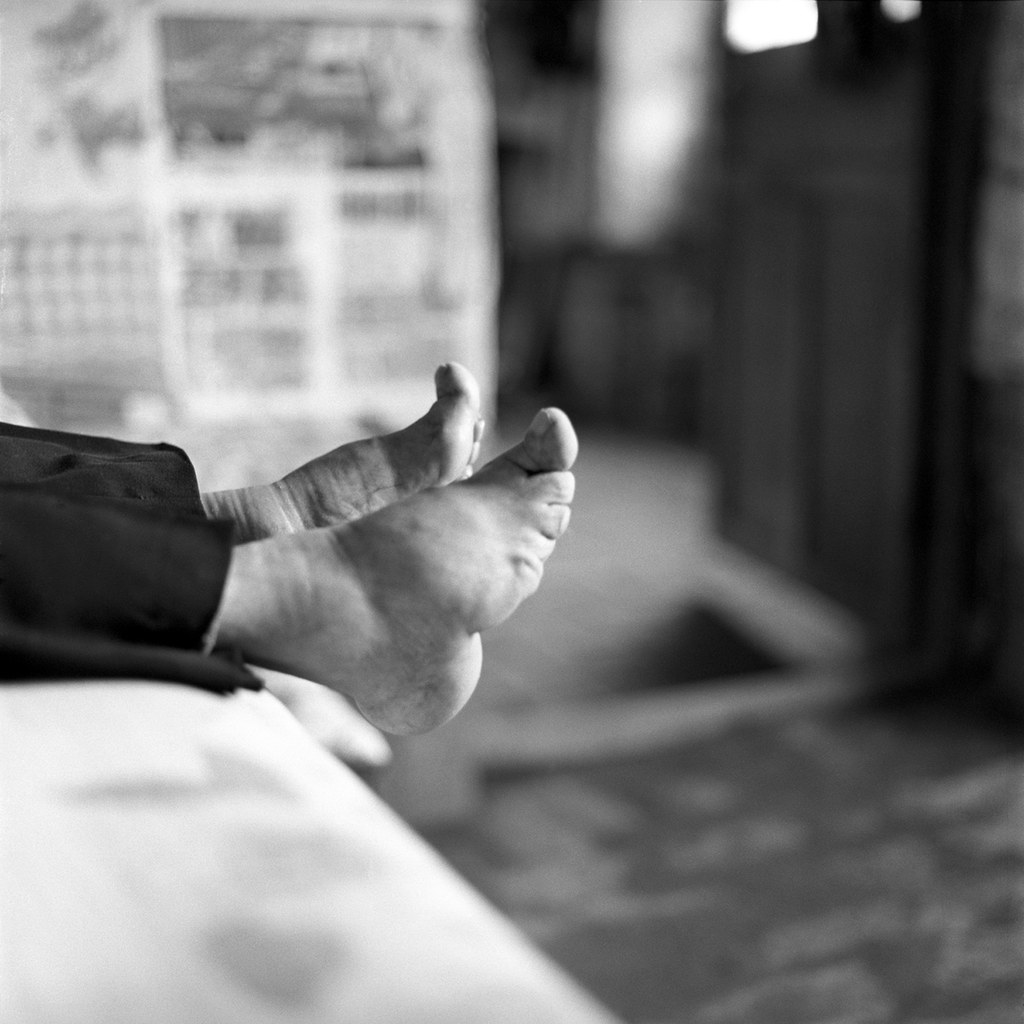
{"x": 511, "y": 511}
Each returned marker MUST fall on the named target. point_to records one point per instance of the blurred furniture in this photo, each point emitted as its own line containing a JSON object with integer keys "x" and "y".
{"x": 169, "y": 855}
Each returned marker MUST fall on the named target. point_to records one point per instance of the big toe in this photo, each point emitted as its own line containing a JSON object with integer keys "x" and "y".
{"x": 453, "y": 423}
{"x": 550, "y": 444}
{"x": 453, "y": 380}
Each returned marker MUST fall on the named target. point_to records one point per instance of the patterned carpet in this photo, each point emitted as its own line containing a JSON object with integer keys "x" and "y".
{"x": 859, "y": 867}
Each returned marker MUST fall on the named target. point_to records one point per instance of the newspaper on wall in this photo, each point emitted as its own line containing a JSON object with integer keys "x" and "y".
{"x": 78, "y": 265}
{"x": 312, "y": 183}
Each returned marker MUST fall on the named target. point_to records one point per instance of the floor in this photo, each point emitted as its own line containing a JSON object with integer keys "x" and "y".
{"x": 856, "y": 866}
{"x": 854, "y": 861}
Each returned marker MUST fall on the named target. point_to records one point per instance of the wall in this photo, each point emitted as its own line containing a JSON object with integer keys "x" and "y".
{"x": 607, "y": 121}
{"x": 656, "y": 117}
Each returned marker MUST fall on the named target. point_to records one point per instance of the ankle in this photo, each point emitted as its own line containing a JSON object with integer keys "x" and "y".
{"x": 282, "y": 510}
{"x": 256, "y": 512}
{"x": 296, "y": 603}
{"x": 248, "y": 604}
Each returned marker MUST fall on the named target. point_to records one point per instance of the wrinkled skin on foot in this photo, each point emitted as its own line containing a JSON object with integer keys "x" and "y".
{"x": 388, "y": 608}
{"x": 364, "y": 476}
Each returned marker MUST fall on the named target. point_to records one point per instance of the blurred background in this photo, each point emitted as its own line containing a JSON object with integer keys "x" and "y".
{"x": 753, "y": 752}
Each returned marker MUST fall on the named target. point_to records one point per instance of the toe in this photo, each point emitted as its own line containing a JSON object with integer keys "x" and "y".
{"x": 453, "y": 424}
{"x": 474, "y": 452}
{"x": 453, "y": 380}
{"x": 551, "y": 488}
{"x": 548, "y": 449}
{"x": 550, "y": 444}
{"x": 554, "y": 521}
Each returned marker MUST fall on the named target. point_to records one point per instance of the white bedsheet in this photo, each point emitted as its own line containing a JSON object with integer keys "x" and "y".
{"x": 169, "y": 855}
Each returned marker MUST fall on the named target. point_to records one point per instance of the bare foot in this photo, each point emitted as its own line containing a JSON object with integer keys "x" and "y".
{"x": 364, "y": 476}
{"x": 388, "y": 608}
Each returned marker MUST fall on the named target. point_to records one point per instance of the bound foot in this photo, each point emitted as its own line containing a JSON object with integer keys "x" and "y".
{"x": 364, "y": 476}
{"x": 388, "y": 608}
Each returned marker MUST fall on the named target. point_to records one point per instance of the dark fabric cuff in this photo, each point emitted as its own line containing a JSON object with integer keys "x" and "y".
{"x": 119, "y": 572}
{"x": 100, "y": 467}
{"x": 31, "y": 656}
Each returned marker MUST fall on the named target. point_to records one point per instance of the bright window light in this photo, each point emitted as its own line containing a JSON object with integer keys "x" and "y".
{"x": 901, "y": 10}
{"x": 753, "y": 25}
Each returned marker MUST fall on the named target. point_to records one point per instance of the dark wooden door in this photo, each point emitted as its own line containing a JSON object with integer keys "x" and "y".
{"x": 816, "y": 383}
